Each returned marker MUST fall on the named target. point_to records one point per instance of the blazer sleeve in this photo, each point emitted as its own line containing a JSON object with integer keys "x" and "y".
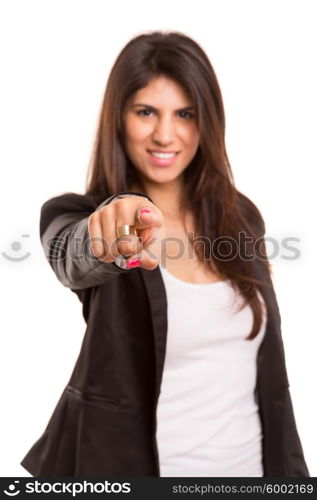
{"x": 65, "y": 239}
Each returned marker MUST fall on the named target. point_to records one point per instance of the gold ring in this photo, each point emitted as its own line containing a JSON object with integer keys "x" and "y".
{"x": 126, "y": 230}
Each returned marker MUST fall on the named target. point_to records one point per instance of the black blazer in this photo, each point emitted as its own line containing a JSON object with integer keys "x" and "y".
{"x": 104, "y": 423}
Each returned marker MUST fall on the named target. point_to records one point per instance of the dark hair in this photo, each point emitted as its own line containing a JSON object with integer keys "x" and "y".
{"x": 221, "y": 212}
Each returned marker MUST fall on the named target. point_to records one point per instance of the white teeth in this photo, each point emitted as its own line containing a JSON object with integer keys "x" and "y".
{"x": 163, "y": 155}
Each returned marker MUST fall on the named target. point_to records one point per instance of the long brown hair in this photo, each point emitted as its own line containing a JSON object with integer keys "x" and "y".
{"x": 221, "y": 212}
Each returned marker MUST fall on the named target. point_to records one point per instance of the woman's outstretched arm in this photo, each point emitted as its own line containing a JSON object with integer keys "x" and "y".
{"x": 65, "y": 239}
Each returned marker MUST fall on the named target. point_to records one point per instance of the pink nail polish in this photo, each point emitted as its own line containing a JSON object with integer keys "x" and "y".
{"x": 145, "y": 210}
{"x": 133, "y": 263}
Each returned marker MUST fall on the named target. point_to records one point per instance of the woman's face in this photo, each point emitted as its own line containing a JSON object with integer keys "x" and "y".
{"x": 160, "y": 118}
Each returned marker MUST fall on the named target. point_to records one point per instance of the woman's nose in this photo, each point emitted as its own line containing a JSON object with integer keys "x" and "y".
{"x": 164, "y": 131}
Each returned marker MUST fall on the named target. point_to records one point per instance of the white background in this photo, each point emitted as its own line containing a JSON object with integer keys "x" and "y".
{"x": 55, "y": 59}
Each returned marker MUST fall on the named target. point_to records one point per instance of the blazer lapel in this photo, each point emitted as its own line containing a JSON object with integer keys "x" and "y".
{"x": 155, "y": 288}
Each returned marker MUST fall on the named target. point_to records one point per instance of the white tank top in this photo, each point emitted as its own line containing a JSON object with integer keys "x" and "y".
{"x": 208, "y": 423}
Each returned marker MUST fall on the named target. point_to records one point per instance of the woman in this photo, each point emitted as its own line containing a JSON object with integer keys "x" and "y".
{"x": 181, "y": 370}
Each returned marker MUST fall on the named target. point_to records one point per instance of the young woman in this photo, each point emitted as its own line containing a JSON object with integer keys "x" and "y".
{"x": 181, "y": 370}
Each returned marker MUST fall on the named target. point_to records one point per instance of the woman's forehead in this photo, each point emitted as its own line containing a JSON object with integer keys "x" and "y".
{"x": 162, "y": 91}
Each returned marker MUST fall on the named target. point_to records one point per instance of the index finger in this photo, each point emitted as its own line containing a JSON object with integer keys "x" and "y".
{"x": 146, "y": 216}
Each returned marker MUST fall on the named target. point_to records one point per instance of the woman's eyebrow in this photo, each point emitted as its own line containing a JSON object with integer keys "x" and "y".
{"x": 186, "y": 108}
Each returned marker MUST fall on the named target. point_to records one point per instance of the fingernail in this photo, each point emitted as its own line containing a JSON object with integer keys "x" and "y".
{"x": 143, "y": 211}
{"x": 133, "y": 263}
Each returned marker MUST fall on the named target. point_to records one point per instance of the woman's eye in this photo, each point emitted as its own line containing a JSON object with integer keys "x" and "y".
{"x": 142, "y": 112}
{"x": 187, "y": 114}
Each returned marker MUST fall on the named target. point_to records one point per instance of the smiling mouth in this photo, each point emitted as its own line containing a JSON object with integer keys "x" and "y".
{"x": 163, "y": 156}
